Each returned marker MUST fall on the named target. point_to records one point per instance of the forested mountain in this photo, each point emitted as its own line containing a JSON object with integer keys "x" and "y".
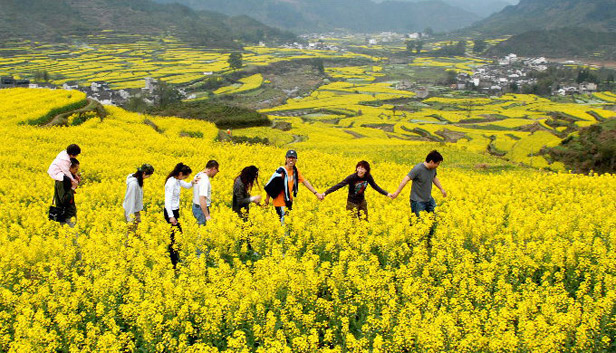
{"x": 595, "y": 15}
{"x": 56, "y": 20}
{"x": 353, "y": 15}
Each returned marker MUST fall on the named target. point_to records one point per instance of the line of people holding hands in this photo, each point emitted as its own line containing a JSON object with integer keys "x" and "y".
{"x": 281, "y": 188}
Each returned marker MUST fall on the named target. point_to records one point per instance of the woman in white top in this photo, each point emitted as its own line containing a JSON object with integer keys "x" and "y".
{"x": 175, "y": 181}
{"x": 133, "y": 200}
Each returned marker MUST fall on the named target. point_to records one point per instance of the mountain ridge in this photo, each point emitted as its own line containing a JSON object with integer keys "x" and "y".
{"x": 533, "y": 15}
{"x": 352, "y": 15}
{"x": 57, "y": 20}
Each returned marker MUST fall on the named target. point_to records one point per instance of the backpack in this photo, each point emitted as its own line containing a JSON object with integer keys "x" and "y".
{"x": 276, "y": 184}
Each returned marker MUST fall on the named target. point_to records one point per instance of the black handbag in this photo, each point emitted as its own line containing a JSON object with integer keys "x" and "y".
{"x": 57, "y": 214}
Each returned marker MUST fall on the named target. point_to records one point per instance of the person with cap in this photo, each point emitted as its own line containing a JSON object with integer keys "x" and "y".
{"x": 133, "y": 199}
{"x": 284, "y": 184}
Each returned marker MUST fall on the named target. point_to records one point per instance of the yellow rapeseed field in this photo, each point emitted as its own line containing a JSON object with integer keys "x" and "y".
{"x": 520, "y": 260}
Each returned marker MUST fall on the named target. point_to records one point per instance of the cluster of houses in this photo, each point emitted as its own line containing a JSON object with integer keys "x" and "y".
{"x": 510, "y": 73}
{"x": 318, "y": 44}
{"x": 317, "y": 41}
{"x": 98, "y": 90}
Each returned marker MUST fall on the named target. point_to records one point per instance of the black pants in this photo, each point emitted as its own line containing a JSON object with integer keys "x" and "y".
{"x": 174, "y": 254}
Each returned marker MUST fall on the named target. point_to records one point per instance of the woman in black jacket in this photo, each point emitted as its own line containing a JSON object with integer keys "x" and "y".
{"x": 358, "y": 182}
{"x": 241, "y": 191}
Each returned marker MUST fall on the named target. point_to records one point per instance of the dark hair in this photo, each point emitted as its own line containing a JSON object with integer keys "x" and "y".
{"x": 434, "y": 156}
{"x": 73, "y": 150}
{"x": 179, "y": 168}
{"x": 74, "y": 162}
{"x": 248, "y": 176}
{"x": 365, "y": 165}
{"x": 145, "y": 168}
{"x": 211, "y": 164}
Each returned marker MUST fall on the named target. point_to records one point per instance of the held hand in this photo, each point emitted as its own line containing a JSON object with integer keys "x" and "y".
{"x": 173, "y": 221}
{"x": 320, "y": 196}
{"x": 266, "y": 202}
{"x": 257, "y": 199}
{"x": 391, "y": 196}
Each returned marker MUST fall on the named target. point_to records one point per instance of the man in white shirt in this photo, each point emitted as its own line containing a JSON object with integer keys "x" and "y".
{"x": 202, "y": 193}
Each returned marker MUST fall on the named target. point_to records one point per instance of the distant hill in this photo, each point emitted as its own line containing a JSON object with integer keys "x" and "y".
{"x": 354, "y": 15}
{"x": 481, "y": 8}
{"x": 559, "y": 43}
{"x": 534, "y": 15}
{"x": 57, "y": 19}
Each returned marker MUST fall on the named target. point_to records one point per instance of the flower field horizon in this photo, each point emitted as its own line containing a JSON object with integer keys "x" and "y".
{"x": 521, "y": 259}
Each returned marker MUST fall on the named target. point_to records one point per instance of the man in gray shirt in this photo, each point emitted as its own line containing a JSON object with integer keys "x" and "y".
{"x": 423, "y": 175}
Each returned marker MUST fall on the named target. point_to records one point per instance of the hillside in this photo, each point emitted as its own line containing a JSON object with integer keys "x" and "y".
{"x": 54, "y": 21}
{"x": 559, "y": 43}
{"x": 592, "y": 149}
{"x": 595, "y": 15}
{"x": 353, "y": 15}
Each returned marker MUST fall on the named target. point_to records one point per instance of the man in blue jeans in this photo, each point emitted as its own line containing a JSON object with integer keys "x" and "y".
{"x": 202, "y": 192}
{"x": 423, "y": 176}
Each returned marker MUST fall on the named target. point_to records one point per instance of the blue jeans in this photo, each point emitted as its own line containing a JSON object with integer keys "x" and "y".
{"x": 418, "y": 206}
{"x": 281, "y": 212}
{"x": 199, "y": 215}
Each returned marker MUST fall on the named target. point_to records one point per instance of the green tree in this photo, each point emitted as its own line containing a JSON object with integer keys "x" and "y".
{"x": 41, "y": 76}
{"x": 415, "y": 45}
{"x": 451, "y": 49}
{"x": 479, "y": 45}
{"x": 410, "y": 45}
{"x": 461, "y": 47}
{"x": 319, "y": 65}
{"x": 136, "y": 104}
{"x": 584, "y": 75}
{"x": 452, "y": 77}
{"x": 235, "y": 60}
{"x": 418, "y": 46}
{"x": 166, "y": 94}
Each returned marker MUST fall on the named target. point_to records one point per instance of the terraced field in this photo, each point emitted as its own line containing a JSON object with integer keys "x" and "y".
{"x": 520, "y": 260}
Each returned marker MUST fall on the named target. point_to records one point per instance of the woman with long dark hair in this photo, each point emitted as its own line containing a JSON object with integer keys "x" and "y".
{"x": 174, "y": 183}
{"x": 242, "y": 186}
{"x": 133, "y": 199}
{"x": 358, "y": 182}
